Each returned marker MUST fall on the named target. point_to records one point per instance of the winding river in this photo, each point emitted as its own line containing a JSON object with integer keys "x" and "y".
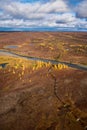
{"x": 72, "y": 65}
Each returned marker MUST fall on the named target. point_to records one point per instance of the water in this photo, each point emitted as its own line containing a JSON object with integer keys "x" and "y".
{"x": 72, "y": 65}
{"x": 3, "y": 65}
{"x": 11, "y": 46}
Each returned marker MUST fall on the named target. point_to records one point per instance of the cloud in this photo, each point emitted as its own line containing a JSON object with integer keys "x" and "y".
{"x": 27, "y": 9}
{"x": 54, "y": 7}
{"x": 51, "y": 13}
{"x": 81, "y": 9}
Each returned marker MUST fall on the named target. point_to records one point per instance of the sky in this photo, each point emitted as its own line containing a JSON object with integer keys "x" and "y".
{"x": 43, "y": 15}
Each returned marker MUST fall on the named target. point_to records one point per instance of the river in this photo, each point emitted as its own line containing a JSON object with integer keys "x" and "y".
{"x": 72, "y": 65}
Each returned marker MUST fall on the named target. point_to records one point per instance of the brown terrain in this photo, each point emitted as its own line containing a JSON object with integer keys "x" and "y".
{"x": 64, "y": 46}
{"x": 35, "y": 95}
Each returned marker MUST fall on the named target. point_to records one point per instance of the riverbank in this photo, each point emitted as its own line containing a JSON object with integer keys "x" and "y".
{"x": 76, "y": 66}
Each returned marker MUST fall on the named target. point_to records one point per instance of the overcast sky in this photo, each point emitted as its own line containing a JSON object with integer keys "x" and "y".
{"x": 47, "y": 14}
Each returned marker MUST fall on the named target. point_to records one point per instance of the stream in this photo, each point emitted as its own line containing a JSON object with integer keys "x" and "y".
{"x": 72, "y": 65}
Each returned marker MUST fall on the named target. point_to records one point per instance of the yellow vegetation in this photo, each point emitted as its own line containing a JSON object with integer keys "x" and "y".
{"x": 51, "y": 48}
{"x": 13, "y": 72}
{"x": 19, "y": 63}
{"x": 60, "y": 66}
{"x": 42, "y": 44}
{"x": 22, "y": 73}
{"x": 40, "y": 64}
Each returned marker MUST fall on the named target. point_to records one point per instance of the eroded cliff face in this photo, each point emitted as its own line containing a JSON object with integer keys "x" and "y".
{"x": 44, "y": 99}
